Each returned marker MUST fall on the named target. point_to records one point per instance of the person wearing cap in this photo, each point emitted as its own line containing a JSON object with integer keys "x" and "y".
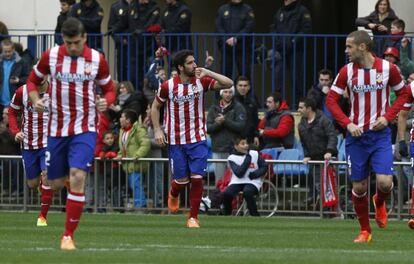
{"x": 225, "y": 120}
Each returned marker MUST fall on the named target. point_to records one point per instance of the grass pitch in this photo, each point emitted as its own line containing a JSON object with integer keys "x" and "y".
{"x": 123, "y": 238}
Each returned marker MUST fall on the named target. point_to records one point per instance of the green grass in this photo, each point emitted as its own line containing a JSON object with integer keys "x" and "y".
{"x": 165, "y": 239}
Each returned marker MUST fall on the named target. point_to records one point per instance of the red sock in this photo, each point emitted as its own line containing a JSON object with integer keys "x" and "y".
{"x": 177, "y": 187}
{"x": 381, "y": 197}
{"x": 74, "y": 208}
{"x": 195, "y": 196}
{"x": 361, "y": 209}
{"x": 412, "y": 201}
{"x": 46, "y": 197}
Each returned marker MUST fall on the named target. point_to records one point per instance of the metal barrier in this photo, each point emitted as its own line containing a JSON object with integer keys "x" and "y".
{"x": 288, "y": 63}
{"x": 287, "y": 192}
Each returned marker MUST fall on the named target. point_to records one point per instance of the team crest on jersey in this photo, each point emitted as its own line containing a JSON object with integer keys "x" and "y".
{"x": 88, "y": 68}
{"x": 379, "y": 78}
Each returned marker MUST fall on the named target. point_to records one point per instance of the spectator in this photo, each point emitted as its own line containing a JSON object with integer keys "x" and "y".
{"x": 235, "y": 17}
{"x": 118, "y": 12}
{"x": 277, "y": 126}
{"x": 319, "y": 91}
{"x": 90, "y": 13}
{"x": 25, "y": 55}
{"x": 65, "y": 6}
{"x": 397, "y": 34}
{"x": 247, "y": 169}
{"x": 406, "y": 65}
{"x": 379, "y": 22}
{"x": 156, "y": 171}
{"x": 177, "y": 19}
{"x": 155, "y": 76}
{"x": 4, "y": 32}
{"x": 249, "y": 102}
{"x": 291, "y": 18}
{"x": 133, "y": 143}
{"x": 127, "y": 99}
{"x": 319, "y": 141}
{"x": 225, "y": 121}
{"x": 13, "y": 72}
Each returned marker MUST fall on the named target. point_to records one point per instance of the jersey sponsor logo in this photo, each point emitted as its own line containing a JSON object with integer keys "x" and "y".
{"x": 363, "y": 88}
{"x": 73, "y": 77}
{"x": 186, "y": 98}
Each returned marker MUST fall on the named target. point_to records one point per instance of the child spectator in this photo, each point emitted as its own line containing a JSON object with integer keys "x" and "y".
{"x": 397, "y": 33}
{"x": 247, "y": 169}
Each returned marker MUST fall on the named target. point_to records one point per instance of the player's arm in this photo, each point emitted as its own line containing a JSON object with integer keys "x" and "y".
{"x": 14, "y": 113}
{"x": 103, "y": 79}
{"x": 401, "y": 91}
{"x": 159, "y": 101}
{"x": 219, "y": 81}
{"x": 40, "y": 70}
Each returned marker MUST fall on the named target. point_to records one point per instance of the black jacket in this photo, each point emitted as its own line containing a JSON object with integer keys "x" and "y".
{"x": 119, "y": 10}
{"x": 294, "y": 19}
{"x": 252, "y": 119}
{"x": 19, "y": 69}
{"x": 91, "y": 16}
{"x": 222, "y": 135}
{"x": 318, "y": 137}
{"x": 177, "y": 19}
{"x": 60, "y": 19}
{"x": 374, "y": 18}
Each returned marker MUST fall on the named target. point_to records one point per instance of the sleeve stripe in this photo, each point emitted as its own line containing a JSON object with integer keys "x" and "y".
{"x": 104, "y": 81}
{"x": 407, "y": 105}
{"x": 398, "y": 86}
{"x": 15, "y": 106}
{"x": 37, "y": 72}
{"x": 337, "y": 90}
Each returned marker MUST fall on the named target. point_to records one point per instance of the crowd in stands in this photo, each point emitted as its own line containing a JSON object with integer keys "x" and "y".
{"x": 126, "y": 130}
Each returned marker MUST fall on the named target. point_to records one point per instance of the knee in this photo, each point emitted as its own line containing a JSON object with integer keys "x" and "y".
{"x": 360, "y": 187}
{"x": 57, "y": 185}
{"x": 32, "y": 183}
{"x": 385, "y": 184}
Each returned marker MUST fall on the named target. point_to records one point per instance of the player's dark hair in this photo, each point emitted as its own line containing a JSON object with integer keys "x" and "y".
{"x": 399, "y": 23}
{"x": 326, "y": 72}
{"x": 69, "y": 2}
{"x": 72, "y": 27}
{"x": 310, "y": 102}
{"x": 108, "y": 132}
{"x": 361, "y": 37}
{"x": 131, "y": 115}
{"x": 242, "y": 78}
{"x": 180, "y": 58}
{"x": 238, "y": 138}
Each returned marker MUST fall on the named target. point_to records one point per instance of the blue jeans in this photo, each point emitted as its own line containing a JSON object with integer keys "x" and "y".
{"x": 134, "y": 181}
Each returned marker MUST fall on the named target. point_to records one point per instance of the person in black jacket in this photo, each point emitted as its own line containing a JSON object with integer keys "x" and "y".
{"x": 249, "y": 102}
{"x": 119, "y": 10}
{"x": 177, "y": 19}
{"x": 247, "y": 169}
{"x": 319, "y": 141}
{"x": 225, "y": 121}
{"x": 379, "y": 21}
{"x": 291, "y": 18}
{"x": 90, "y": 13}
{"x": 65, "y": 6}
{"x": 235, "y": 17}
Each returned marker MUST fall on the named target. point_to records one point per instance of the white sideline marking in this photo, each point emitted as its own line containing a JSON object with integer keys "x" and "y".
{"x": 223, "y": 249}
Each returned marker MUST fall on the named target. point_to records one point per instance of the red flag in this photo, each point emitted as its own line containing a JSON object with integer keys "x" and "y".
{"x": 329, "y": 192}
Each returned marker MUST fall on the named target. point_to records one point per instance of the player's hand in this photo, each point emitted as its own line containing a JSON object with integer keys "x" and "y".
{"x": 40, "y": 104}
{"x": 201, "y": 72}
{"x": 354, "y": 130}
{"x": 101, "y": 103}
{"x": 19, "y": 137}
{"x": 381, "y": 123}
{"x": 327, "y": 156}
{"x": 160, "y": 137}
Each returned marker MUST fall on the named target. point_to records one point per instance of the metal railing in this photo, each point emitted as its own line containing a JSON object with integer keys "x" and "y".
{"x": 287, "y": 192}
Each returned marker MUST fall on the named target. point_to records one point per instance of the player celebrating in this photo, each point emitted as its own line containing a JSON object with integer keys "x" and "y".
{"x": 33, "y": 138}
{"x": 183, "y": 97}
{"x": 75, "y": 70}
{"x": 368, "y": 81}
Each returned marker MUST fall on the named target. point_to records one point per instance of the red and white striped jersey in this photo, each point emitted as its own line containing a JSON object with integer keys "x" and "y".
{"x": 72, "y": 92}
{"x": 368, "y": 90}
{"x": 33, "y": 124}
{"x": 185, "y": 120}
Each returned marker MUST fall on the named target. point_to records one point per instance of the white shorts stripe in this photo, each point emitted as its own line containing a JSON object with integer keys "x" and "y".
{"x": 76, "y": 198}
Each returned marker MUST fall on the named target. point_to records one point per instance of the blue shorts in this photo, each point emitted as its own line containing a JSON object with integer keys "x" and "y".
{"x": 64, "y": 153}
{"x": 34, "y": 162}
{"x": 187, "y": 159}
{"x": 373, "y": 149}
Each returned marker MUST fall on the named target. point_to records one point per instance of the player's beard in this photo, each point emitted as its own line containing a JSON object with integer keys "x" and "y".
{"x": 190, "y": 73}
